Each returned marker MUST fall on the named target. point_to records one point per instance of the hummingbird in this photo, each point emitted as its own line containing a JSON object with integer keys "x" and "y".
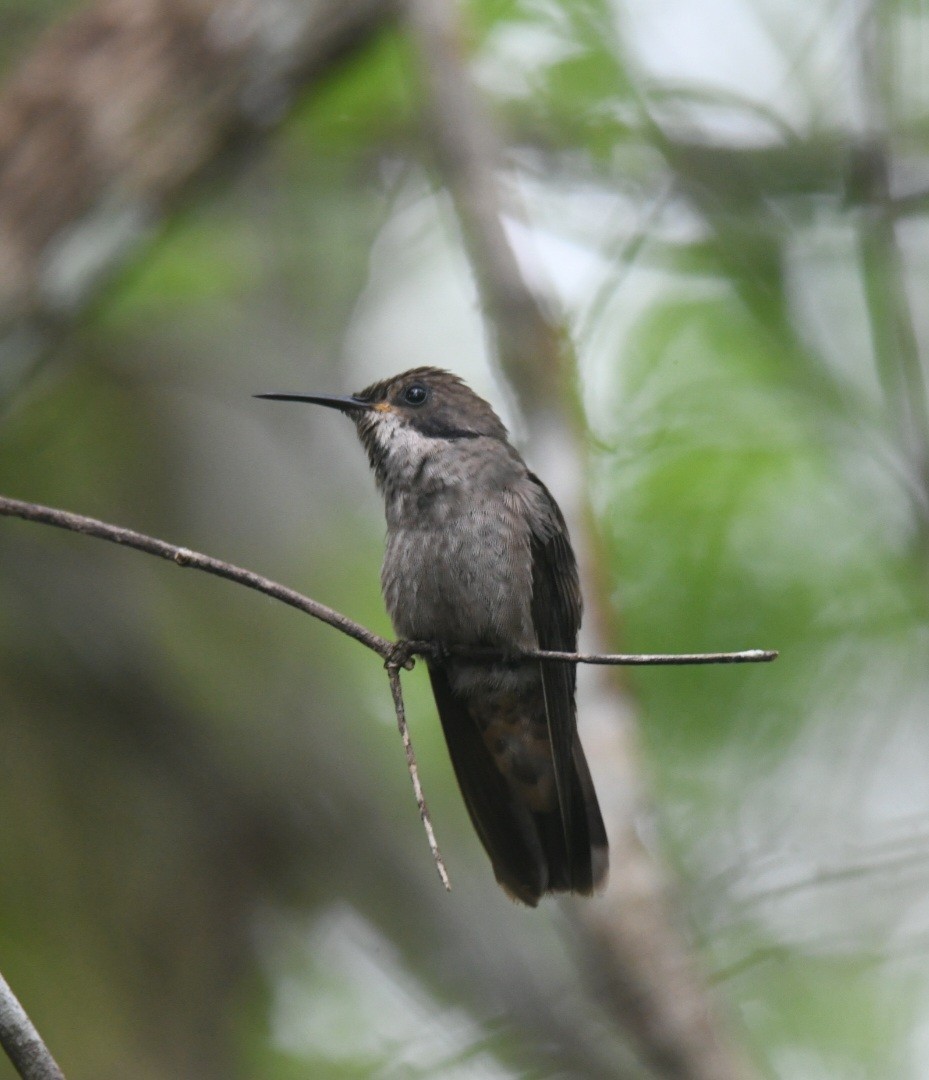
{"x": 478, "y": 555}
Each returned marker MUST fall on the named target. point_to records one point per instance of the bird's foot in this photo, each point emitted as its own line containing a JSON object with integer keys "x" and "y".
{"x": 401, "y": 655}
{"x": 404, "y": 650}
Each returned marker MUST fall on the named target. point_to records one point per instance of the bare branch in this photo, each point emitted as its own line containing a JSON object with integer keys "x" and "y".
{"x": 23, "y": 1044}
{"x": 63, "y": 519}
{"x": 182, "y": 556}
{"x": 393, "y": 673}
{"x": 743, "y": 656}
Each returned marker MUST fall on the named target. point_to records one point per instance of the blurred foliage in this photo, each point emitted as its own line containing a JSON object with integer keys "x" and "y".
{"x": 21, "y": 23}
{"x": 204, "y": 817}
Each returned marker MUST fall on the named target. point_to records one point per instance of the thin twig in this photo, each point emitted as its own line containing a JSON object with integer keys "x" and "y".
{"x": 63, "y": 519}
{"x": 744, "y": 656}
{"x": 393, "y": 674}
{"x": 23, "y": 1044}
{"x": 182, "y": 556}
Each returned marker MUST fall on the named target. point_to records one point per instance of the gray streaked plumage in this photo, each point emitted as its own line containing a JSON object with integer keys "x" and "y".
{"x": 478, "y": 554}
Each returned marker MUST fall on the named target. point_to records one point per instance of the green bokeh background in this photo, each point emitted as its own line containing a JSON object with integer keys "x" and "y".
{"x": 211, "y": 860}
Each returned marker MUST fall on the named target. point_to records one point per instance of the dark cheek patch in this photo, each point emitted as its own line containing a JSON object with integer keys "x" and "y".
{"x": 441, "y": 423}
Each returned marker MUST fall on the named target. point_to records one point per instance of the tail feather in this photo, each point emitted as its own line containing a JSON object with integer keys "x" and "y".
{"x": 531, "y": 851}
{"x": 591, "y": 860}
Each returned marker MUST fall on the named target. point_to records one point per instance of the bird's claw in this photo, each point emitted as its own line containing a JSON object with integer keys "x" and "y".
{"x": 400, "y": 655}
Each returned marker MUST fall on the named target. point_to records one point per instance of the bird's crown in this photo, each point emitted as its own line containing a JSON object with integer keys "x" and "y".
{"x": 435, "y": 402}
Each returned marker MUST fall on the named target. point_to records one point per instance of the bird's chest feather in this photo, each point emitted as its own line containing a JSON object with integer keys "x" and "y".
{"x": 457, "y": 566}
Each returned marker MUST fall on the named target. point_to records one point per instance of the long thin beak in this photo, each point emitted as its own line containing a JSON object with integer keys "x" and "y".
{"x": 343, "y": 404}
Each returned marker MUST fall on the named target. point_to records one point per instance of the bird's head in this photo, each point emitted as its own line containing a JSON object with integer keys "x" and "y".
{"x": 399, "y": 419}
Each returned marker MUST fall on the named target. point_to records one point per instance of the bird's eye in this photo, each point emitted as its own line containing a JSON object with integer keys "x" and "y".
{"x": 415, "y": 394}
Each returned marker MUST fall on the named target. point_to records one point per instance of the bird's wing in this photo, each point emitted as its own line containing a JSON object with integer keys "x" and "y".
{"x": 556, "y": 618}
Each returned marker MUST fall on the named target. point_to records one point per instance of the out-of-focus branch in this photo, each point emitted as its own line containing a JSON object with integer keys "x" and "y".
{"x": 896, "y": 347}
{"x": 116, "y": 113}
{"x": 463, "y": 143}
{"x": 22, "y": 1043}
{"x": 895, "y": 342}
{"x": 638, "y": 955}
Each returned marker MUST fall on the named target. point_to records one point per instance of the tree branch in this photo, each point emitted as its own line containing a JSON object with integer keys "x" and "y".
{"x": 88, "y": 526}
{"x": 387, "y": 650}
{"x": 393, "y": 674}
{"x": 23, "y": 1044}
{"x": 467, "y": 149}
{"x": 743, "y": 656}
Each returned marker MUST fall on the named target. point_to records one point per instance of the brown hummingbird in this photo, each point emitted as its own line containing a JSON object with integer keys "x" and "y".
{"x": 478, "y": 555}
